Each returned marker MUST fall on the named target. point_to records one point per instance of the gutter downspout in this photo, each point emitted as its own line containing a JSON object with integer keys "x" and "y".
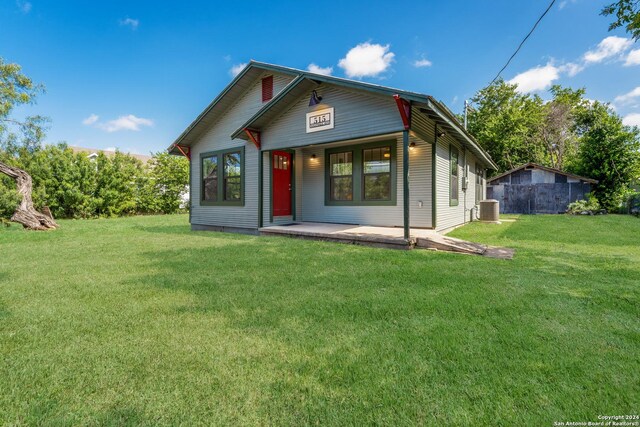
{"x": 434, "y": 195}
{"x": 260, "y": 189}
{"x": 465, "y": 177}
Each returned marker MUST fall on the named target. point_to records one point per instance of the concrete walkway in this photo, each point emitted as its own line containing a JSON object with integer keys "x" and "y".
{"x": 385, "y": 237}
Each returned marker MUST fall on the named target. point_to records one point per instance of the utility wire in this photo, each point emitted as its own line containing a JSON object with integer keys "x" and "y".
{"x": 522, "y": 42}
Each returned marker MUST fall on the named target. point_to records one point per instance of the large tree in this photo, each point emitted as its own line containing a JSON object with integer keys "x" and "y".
{"x": 557, "y": 127}
{"x": 15, "y": 135}
{"x": 506, "y": 122}
{"x": 627, "y": 14}
{"x": 609, "y": 152}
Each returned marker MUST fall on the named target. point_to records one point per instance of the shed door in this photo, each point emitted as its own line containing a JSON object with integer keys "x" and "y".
{"x": 281, "y": 185}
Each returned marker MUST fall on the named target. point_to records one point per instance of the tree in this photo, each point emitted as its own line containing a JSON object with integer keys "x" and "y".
{"x": 116, "y": 186}
{"x": 557, "y": 127}
{"x": 167, "y": 182}
{"x": 627, "y": 13}
{"x": 505, "y": 122}
{"x": 17, "y": 89}
{"x": 608, "y": 152}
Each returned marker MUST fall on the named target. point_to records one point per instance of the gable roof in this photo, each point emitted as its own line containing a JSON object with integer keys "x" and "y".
{"x": 532, "y": 165}
{"x": 305, "y": 81}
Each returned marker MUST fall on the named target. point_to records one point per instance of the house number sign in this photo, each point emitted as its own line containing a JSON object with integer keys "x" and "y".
{"x": 320, "y": 120}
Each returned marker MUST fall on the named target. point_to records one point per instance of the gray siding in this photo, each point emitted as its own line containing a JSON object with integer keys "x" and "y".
{"x": 313, "y": 194}
{"x": 218, "y": 138}
{"x": 356, "y": 115}
{"x": 452, "y": 216}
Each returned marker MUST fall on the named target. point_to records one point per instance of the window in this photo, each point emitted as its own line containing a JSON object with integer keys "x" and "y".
{"x": 377, "y": 173}
{"x": 210, "y": 178}
{"x": 232, "y": 176}
{"x": 280, "y": 162}
{"x": 479, "y": 177}
{"x": 341, "y": 179}
{"x": 454, "y": 183}
{"x": 267, "y": 88}
{"x": 361, "y": 174}
{"x": 229, "y": 189}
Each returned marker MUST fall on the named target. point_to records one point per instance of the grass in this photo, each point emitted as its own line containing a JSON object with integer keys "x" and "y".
{"x": 139, "y": 321}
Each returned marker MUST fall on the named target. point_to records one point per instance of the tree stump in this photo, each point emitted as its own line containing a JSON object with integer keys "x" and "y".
{"x": 25, "y": 213}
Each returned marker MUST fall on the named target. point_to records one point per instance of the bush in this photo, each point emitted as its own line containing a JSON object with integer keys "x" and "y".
{"x": 591, "y": 206}
{"x": 74, "y": 186}
{"x": 9, "y": 198}
{"x": 634, "y": 204}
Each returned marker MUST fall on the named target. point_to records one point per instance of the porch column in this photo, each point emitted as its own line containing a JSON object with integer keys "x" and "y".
{"x": 405, "y": 180}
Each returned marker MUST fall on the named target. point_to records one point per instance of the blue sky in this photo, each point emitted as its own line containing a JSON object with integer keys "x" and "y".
{"x": 134, "y": 74}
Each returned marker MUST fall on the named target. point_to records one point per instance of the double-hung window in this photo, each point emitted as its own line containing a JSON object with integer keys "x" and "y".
{"x": 376, "y": 172}
{"x": 361, "y": 175}
{"x": 479, "y": 177}
{"x": 222, "y": 177}
{"x": 341, "y": 176}
{"x": 454, "y": 182}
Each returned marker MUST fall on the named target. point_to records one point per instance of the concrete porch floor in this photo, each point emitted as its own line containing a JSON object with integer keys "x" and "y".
{"x": 385, "y": 237}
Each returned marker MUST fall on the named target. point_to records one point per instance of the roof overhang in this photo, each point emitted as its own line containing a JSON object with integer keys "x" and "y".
{"x": 305, "y": 81}
{"x": 447, "y": 121}
{"x": 223, "y": 101}
{"x": 548, "y": 169}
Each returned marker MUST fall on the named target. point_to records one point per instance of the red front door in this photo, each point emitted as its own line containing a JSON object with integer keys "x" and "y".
{"x": 281, "y": 176}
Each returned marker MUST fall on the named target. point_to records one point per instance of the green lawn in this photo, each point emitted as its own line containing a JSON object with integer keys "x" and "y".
{"x": 140, "y": 321}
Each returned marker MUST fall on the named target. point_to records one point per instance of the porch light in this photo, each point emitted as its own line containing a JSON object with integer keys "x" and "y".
{"x": 412, "y": 146}
{"x": 314, "y": 157}
{"x": 315, "y": 99}
{"x": 441, "y": 134}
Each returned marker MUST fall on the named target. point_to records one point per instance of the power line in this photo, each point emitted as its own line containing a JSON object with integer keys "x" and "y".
{"x": 522, "y": 42}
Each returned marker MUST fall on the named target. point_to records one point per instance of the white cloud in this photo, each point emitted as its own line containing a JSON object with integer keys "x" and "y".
{"x": 128, "y": 122}
{"x": 609, "y": 47}
{"x": 419, "y": 63}
{"x": 633, "y": 58}
{"x": 571, "y": 68}
{"x": 92, "y": 119}
{"x": 367, "y": 60}
{"x": 235, "y": 70}
{"x": 629, "y": 96}
{"x": 24, "y": 6}
{"x": 538, "y": 78}
{"x": 130, "y": 22}
{"x": 632, "y": 119}
{"x": 564, "y": 3}
{"x": 320, "y": 70}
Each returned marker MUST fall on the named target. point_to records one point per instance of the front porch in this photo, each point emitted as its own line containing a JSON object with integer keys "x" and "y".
{"x": 298, "y": 184}
{"x": 384, "y": 237}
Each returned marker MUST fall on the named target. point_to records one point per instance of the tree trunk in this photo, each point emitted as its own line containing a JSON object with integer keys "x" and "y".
{"x": 25, "y": 213}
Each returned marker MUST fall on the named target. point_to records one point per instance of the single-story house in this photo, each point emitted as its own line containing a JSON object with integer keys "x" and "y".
{"x": 281, "y": 145}
{"x": 536, "y": 189}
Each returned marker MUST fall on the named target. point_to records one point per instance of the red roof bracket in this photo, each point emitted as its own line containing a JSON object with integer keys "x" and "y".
{"x": 254, "y": 136}
{"x": 186, "y": 151}
{"x": 404, "y": 107}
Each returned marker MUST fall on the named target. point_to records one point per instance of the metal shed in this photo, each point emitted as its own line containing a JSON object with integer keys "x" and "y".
{"x": 537, "y": 189}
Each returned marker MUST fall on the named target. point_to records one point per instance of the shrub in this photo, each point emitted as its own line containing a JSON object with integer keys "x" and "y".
{"x": 591, "y": 206}
{"x": 634, "y": 204}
